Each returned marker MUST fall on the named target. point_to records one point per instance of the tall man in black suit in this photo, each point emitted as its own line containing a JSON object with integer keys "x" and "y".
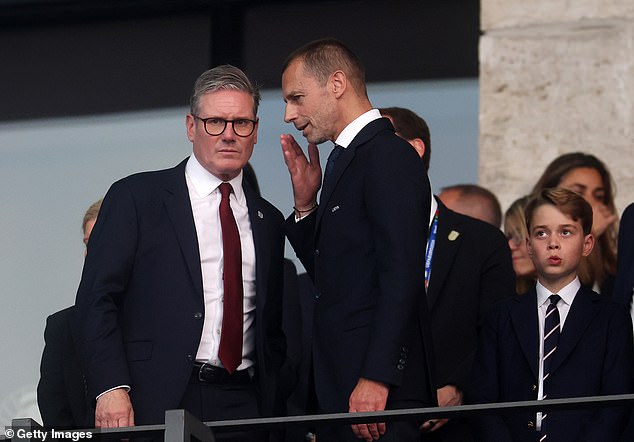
{"x": 157, "y": 328}
{"x": 61, "y": 391}
{"x": 470, "y": 268}
{"x": 363, "y": 245}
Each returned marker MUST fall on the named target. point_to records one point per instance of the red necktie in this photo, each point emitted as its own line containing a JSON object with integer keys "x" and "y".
{"x": 230, "y": 351}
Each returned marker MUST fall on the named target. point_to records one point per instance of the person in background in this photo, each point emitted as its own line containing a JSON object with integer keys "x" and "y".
{"x": 474, "y": 201}
{"x": 559, "y": 340}
{"x": 297, "y": 318}
{"x": 61, "y": 391}
{"x": 624, "y": 283}
{"x": 363, "y": 245}
{"x": 469, "y": 269}
{"x": 516, "y": 234}
{"x": 180, "y": 263}
{"x": 589, "y": 176}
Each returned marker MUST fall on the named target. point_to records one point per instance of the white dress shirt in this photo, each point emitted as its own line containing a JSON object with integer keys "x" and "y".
{"x": 351, "y": 130}
{"x": 348, "y": 133}
{"x": 567, "y": 295}
{"x": 205, "y": 201}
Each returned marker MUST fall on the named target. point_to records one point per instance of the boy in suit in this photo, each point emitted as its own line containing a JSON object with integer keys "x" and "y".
{"x": 559, "y": 340}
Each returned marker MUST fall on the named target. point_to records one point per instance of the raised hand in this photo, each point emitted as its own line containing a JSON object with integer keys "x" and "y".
{"x": 305, "y": 172}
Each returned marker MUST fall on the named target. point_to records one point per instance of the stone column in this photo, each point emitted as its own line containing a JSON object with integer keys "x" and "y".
{"x": 555, "y": 77}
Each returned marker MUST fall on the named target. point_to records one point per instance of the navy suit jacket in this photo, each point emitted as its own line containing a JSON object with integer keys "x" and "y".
{"x": 140, "y": 300}
{"x": 61, "y": 391}
{"x": 594, "y": 357}
{"x": 624, "y": 283}
{"x": 364, "y": 249}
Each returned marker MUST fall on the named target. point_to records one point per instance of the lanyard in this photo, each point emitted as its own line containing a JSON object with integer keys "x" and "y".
{"x": 429, "y": 253}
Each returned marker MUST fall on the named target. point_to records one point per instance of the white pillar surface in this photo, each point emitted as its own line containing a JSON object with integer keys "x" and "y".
{"x": 555, "y": 77}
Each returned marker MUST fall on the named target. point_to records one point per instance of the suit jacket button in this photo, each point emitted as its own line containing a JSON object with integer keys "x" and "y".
{"x": 400, "y": 366}
{"x": 401, "y": 361}
{"x": 317, "y": 295}
{"x": 198, "y": 315}
{"x": 190, "y": 357}
{"x": 534, "y": 387}
{"x": 531, "y": 424}
{"x": 316, "y": 252}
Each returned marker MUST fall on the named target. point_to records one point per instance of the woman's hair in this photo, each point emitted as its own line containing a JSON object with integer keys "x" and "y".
{"x": 600, "y": 265}
{"x": 515, "y": 228}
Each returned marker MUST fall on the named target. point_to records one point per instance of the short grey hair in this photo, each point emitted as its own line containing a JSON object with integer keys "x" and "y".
{"x": 224, "y": 77}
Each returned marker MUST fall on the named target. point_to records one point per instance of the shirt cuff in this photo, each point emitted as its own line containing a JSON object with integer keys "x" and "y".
{"x": 126, "y": 387}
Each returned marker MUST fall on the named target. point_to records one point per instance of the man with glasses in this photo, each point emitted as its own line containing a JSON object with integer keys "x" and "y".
{"x": 181, "y": 263}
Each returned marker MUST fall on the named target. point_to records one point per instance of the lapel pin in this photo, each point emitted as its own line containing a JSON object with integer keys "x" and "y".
{"x": 453, "y": 235}
{"x": 334, "y": 209}
{"x": 260, "y": 215}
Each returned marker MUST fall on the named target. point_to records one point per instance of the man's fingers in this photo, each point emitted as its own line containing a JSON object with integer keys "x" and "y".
{"x": 439, "y": 424}
{"x": 313, "y": 154}
{"x": 374, "y": 431}
{"x": 362, "y": 432}
{"x": 290, "y": 145}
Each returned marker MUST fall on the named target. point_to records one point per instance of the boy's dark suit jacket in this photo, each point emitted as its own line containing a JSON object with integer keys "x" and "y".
{"x": 364, "y": 249}
{"x": 61, "y": 391}
{"x": 594, "y": 357}
{"x": 140, "y": 301}
{"x": 471, "y": 270}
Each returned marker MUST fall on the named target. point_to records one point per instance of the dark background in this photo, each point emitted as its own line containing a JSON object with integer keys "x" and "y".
{"x": 63, "y": 58}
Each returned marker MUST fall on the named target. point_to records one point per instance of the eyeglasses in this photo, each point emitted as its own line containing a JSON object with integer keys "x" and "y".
{"x": 215, "y": 126}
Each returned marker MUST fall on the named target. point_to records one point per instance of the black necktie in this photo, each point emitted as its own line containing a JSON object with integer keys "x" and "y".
{"x": 332, "y": 158}
{"x": 551, "y": 339}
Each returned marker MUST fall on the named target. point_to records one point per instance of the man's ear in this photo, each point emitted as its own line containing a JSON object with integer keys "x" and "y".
{"x": 419, "y": 145}
{"x": 190, "y": 124}
{"x": 588, "y": 244}
{"x": 338, "y": 83}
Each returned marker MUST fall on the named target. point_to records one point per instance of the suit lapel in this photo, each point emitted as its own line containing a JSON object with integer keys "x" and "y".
{"x": 340, "y": 166}
{"x": 179, "y": 211}
{"x": 344, "y": 161}
{"x": 444, "y": 252}
{"x": 258, "y": 219}
{"x": 524, "y": 319}
{"x": 584, "y": 308}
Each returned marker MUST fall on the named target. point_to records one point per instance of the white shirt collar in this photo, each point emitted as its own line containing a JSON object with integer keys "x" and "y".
{"x": 204, "y": 182}
{"x": 567, "y": 293}
{"x": 433, "y": 208}
{"x": 351, "y": 130}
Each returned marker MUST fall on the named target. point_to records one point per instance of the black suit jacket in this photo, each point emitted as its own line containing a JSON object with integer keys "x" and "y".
{"x": 364, "y": 249}
{"x": 594, "y": 357}
{"x": 471, "y": 269}
{"x": 61, "y": 391}
{"x": 140, "y": 300}
{"x": 624, "y": 283}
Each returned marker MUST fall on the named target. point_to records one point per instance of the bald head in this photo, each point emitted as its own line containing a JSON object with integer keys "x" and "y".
{"x": 474, "y": 201}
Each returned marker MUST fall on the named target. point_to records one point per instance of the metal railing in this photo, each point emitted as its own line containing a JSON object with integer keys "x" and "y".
{"x": 181, "y": 426}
